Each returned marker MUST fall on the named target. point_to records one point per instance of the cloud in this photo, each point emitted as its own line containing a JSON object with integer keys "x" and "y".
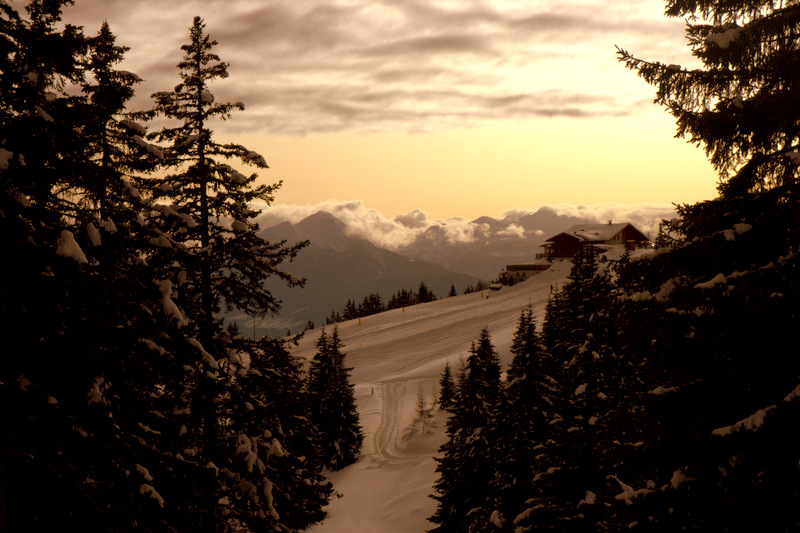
{"x": 334, "y": 65}
{"x": 646, "y": 217}
{"x": 395, "y": 233}
{"x": 512, "y": 230}
{"x": 413, "y": 220}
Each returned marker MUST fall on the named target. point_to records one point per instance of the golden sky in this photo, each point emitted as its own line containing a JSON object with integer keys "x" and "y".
{"x": 457, "y": 108}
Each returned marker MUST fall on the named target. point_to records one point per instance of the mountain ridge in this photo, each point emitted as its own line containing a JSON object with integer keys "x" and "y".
{"x": 339, "y": 266}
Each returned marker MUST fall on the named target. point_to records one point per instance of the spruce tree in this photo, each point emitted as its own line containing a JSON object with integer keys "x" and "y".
{"x": 424, "y": 294}
{"x": 83, "y": 449}
{"x": 525, "y": 412}
{"x": 210, "y": 260}
{"x": 333, "y": 409}
{"x": 447, "y": 388}
{"x": 722, "y": 302}
{"x": 468, "y": 459}
{"x": 569, "y": 466}
{"x": 211, "y": 206}
{"x": 740, "y": 103}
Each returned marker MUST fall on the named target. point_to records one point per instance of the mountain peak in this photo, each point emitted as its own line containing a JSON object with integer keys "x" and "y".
{"x": 324, "y": 229}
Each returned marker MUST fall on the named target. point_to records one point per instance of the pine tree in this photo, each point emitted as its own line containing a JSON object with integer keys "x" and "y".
{"x": 350, "y": 311}
{"x": 452, "y": 290}
{"x": 740, "y": 103}
{"x": 117, "y": 149}
{"x": 211, "y": 259}
{"x": 424, "y": 294}
{"x": 82, "y": 449}
{"x": 211, "y": 209}
{"x": 569, "y": 466}
{"x": 333, "y": 409}
{"x": 709, "y": 321}
{"x": 526, "y": 409}
{"x": 447, "y": 388}
{"x": 468, "y": 461}
{"x": 274, "y": 471}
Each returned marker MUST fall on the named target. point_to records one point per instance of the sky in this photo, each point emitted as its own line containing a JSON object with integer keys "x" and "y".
{"x": 453, "y": 108}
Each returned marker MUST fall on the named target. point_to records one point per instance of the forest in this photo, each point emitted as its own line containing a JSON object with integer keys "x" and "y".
{"x": 128, "y": 403}
{"x": 660, "y": 394}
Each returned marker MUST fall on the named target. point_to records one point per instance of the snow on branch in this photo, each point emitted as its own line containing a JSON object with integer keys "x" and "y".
{"x": 207, "y": 357}
{"x": 67, "y": 247}
{"x": 756, "y": 420}
{"x": 725, "y": 38}
{"x": 170, "y": 308}
{"x": 751, "y": 423}
{"x": 628, "y": 493}
{"x": 149, "y": 490}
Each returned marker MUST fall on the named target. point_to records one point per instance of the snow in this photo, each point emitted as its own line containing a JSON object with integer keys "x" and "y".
{"x": 144, "y": 472}
{"x": 21, "y": 199}
{"x": 238, "y": 178}
{"x": 678, "y": 478}
{"x": 95, "y": 394}
{"x": 589, "y": 499}
{"x": 238, "y": 226}
{"x": 108, "y": 225}
{"x": 144, "y": 488}
{"x": 658, "y": 391}
{"x": 725, "y": 38}
{"x": 135, "y": 126}
{"x": 94, "y": 234}
{"x": 67, "y": 247}
{"x": 719, "y": 279}
{"x": 393, "y": 354}
{"x": 256, "y": 158}
{"x": 5, "y": 157}
{"x": 581, "y": 389}
{"x": 161, "y": 241}
{"x": 151, "y": 344}
{"x": 207, "y": 357}
{"x": 130, "y": 189}
{"x": 44, "y": 114}
{"x": 170, "y": 309}
{"x": 129, "y": 76}
{"x": 792, "y": 395}
{"x": 751, "y": 423}
{"x": 628, "y": 493}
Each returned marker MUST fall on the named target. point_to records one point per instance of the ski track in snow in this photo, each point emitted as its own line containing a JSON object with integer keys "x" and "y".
{"x": 386, "y": 434}
{"x": 393, "y": 355}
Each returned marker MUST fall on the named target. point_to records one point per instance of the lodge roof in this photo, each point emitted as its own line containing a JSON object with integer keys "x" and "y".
{"x": 595, "y": 232}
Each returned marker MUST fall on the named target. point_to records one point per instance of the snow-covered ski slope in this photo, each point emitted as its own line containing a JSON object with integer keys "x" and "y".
{"x": 394, "y": 355}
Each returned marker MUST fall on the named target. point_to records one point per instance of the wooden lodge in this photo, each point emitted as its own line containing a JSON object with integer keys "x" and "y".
{"x": 567, "y": 243}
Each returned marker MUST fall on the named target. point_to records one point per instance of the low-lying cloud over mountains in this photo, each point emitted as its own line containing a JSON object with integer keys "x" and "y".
{"x": 402, "y": 231}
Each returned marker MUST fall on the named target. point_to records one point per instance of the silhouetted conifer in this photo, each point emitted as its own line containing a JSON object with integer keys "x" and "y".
{"x": 468, "y": 461}
{"x": 332, "y": 401}
{"x": 447, "y": 388}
